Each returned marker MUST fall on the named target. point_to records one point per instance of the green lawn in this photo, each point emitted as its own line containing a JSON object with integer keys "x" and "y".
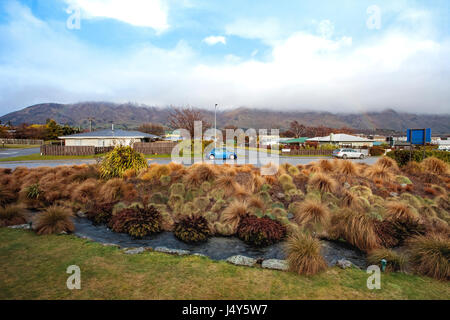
{"x": 34, "y": 267}
{"x": 19, "y": 146}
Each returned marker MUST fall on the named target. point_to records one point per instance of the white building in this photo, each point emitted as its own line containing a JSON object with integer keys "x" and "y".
{"x": 343, "y": 140}
{"x": 107, "y": 138}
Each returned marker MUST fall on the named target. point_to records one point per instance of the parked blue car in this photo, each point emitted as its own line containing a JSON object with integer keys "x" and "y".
{"x": 222, "y": 153}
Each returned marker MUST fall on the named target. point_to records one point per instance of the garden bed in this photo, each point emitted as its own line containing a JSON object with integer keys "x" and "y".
{"x": 216, "y": 248}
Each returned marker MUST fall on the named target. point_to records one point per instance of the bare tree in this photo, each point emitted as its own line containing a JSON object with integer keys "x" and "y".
{"x": 184, "y": 118}
{"x": 152, "y": 128}
{"x": 297, "y": 128}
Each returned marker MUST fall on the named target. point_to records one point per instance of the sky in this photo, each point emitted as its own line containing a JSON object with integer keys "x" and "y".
{"x": 323, "y": 55}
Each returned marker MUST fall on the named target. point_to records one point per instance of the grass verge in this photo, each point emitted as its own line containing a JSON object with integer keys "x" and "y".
{"x": 38, "y": 157}
{"x": 34, "y": 267}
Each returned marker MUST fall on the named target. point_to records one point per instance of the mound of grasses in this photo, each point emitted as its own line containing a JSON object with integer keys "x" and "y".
{"x": 121, "y": 159}
{"x": 11, "y": 215}
{"x": 54, "y": 219}
{"x": 430, "y": 255}
{"x": 303, "y": 254}
{"x": 395, "y": 261}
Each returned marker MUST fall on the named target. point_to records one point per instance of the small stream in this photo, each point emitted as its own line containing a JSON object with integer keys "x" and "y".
{"x": 216, "y": 248}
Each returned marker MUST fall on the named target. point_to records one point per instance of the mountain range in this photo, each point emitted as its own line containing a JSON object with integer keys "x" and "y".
{"x": 129, "y": 116}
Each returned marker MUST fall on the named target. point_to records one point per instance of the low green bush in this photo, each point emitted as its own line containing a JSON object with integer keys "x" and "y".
{"x": 376, "y": 151}
{"x": 260, "y": 232}
{"x": 192, "y": 229}
{"x": 404, "y": 156}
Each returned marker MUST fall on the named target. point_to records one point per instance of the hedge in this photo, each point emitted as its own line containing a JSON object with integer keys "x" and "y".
{"x": 402, "y": 156}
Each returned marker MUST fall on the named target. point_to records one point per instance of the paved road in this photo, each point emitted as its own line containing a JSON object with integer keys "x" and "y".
{"x": 262, "y": 161}
{"x": 7, "y": 153}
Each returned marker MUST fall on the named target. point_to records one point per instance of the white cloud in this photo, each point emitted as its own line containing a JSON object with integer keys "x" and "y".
{"x": 398, "y": 69}
{"x": 142, "y": 13}
{"x": 325, "y": 28}
{"x": 212, "y": 40}
{"x": 268, "y": 30}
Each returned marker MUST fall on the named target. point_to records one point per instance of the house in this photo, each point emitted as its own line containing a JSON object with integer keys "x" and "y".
{"x": 107, "y": 138}
{"x": 343, "y": 140}
{"x": 444, "y": 145}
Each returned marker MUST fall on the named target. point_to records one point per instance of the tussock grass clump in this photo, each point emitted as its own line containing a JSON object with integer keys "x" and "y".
{"x": 395, "y": 261}
{"x": 86, "y": 192}
{"x": 303, "y": 254}
{"x": 435, "y": 166}
{"x": 233, "y": 214}
{"x": 356, "y": 228}
{"x": 54, "y": 219}
{"x": 310, "y": 214}
{"x": 400, "y": 211}
{"x": 326, "y": 166}
{"x": 206, "y": 172}
{"x": 379, "y": 172}
{"x": 155, "y": 171}
{"x": 12, "y": 215}
{"x": 285, "y": 178}
{"x": 413, "y": 168}
{"x": 226, "y": 183}
{"x": 117, "y": 190}
{"x": 387, "y": 163}
{"x": 6, "y": 196}
{"x": 323, "y": 182}
{"x": 348, "y": 168}
{"x": 293, "y": 171}
{"x": 430, "y": 255}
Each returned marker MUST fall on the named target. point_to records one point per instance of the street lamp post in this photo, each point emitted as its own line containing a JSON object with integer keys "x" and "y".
{"x": 215, "y": 126}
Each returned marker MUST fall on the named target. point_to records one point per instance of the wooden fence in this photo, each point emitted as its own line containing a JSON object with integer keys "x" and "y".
{"x": 310, "y": 152}
{"x": 159, "y": 147}
{"x": 22, "y": 141}
{"x": 51, "y": 150}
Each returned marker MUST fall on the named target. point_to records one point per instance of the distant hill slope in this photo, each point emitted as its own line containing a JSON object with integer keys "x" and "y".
{"x": 132, "y": 115}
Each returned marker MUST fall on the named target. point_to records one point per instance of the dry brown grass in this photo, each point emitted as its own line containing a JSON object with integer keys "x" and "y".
{"x": 54, "y": 219}
{"x": 413, "y": 168}
{"x": 387, "y": 163}
{"x": 347, "y": 167}
{"x": 11, "y": 215}
{"x": 326, "y": 166}
{"x": 323, "y": 182}
{"x": 116, "y": 190}
{"x": 380, "y": 173}
{"x": 356, "y": 228}
{"x": 232, "y": 214}
{"x": 400, "y": 211}
{"x": 226, "y": 183}
{"x": 430, "y": 255}
{"x": 395, "y": 261}
{"x": 303, "y": 254}
{"x": 86, "y": 191}
{"x": 311, "y": 213}
{"x": 435, "y": 166}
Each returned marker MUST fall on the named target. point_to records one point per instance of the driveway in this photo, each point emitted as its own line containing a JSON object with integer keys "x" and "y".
{"x": 7, "y": 153}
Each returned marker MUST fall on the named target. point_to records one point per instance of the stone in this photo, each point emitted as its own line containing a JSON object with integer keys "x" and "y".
{"x": 134, "y": 251}
{"x": 63, "y": 233}
{"x": 172, "y": 251}
{"x": 344, "y": 264}
{"x": 290, "y": 216}
{"x": 347, "y": 185}
{"x": 393, "y": 194}
{"x": 21, "y": 226}
{"x": 200, "y": 255}
{"x": 241, "y": 261}
{"x": 275, "y": 264}
{"x": 280, "y": 195}
{"x": 81, "y": 214}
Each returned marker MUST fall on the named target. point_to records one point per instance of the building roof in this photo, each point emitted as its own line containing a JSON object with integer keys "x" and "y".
{"x": 297, "y": 140}
{"x": 340, "y": 137}
{"x": 103, "y": 134}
